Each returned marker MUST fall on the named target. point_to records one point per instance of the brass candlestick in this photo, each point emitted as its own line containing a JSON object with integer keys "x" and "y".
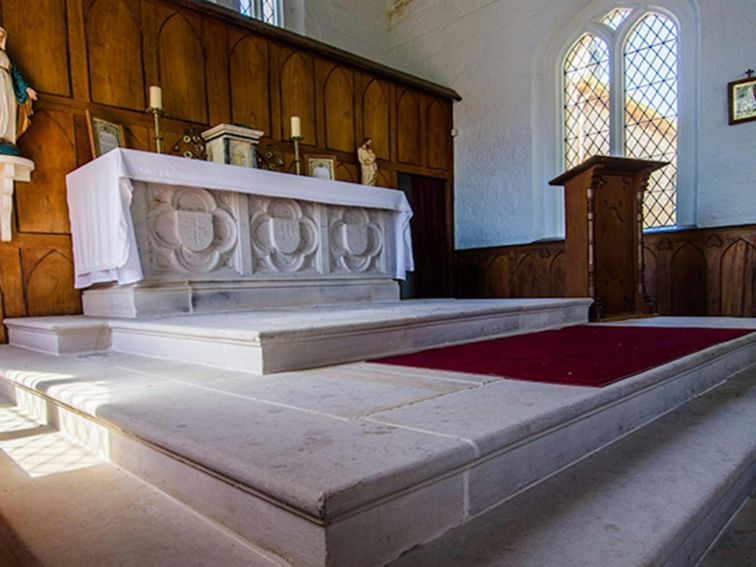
{"x": 157, "y": 113}
{"x": 297, "y": 161}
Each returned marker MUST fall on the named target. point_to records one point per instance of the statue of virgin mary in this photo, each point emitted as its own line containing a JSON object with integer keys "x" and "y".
{"x": 15, "y": 101}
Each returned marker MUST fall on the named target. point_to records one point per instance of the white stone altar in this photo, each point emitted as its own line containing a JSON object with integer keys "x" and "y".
{"x": 171, "y": 235}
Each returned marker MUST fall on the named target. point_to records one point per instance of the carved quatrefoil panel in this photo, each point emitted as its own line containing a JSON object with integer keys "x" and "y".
{"x": 190, "y": 231}
{"x": 285, "y": 237}
{"x": 356, "y": 240}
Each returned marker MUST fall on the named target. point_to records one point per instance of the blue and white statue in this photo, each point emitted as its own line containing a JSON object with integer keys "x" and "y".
{"x": 16, "y": 97}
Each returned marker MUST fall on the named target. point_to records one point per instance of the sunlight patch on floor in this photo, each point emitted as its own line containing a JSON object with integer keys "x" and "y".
{"x": 38, "y": 450}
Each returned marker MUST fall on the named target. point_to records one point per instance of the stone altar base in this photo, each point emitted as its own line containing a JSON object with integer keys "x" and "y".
{"x": 364, "y": 464}
{"x": 267, "y": 341}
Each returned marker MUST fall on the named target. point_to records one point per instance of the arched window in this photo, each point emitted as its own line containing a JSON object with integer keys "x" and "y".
{"x": 621, "y": 98}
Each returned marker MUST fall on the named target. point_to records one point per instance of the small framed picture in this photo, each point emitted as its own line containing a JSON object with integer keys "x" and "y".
{"x": 322, "y": 167}
{"x": 742, "y": 100}
{"x": 104, "y": 136}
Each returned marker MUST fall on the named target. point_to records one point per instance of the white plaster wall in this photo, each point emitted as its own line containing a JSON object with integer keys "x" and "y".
{"x": 727, "y": 172}
{"x": 488, "y": 50}
{"x": 357, "y": 26}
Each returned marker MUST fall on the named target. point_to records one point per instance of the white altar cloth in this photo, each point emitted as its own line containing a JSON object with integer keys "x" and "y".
{"x": 100, "y": 193}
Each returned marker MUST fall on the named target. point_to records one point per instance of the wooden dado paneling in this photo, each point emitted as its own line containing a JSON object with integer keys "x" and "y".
{"x": 214, "y": 66}
{"x": 689, "y": 272}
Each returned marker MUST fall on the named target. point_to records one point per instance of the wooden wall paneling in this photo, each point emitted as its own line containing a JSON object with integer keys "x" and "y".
{"x": 408, "y": 118}
{"x": 14, "y": 303}
{"x": 376, "y": 105}
{"x": 650, "y": 276}
{"x": 662, "y": 252}
{"x": 249, "y": 75}
{"x": 347, "y": 172}
{"x": 738, "y": 279}
{"x": 216, "y": 42}
{"x": 48, "y": 278}
{"x": 530, "y": 279}
{"x": 114, "y": 54}
{"x": 688, "y": 281}
{"x": 41, "y": 205}
{"x": 298, "y": 95}
{"x": 38, "y": 41}
{"x": 182, "y": 72}
{"x": 386, "y": 178}
{"x": 713, "y": 246}
{"x": 3, "y": 332}
{"x": 439, "y": 134}
{"x": 77, "y": 48}
{"x": 81, "y": 139}
{"x": 138, "y": 137}
{"x": 150, "y": 19}
{"x": 498, "y": 276}
{"x": 557, "y": 278}
{"x": 338, "y": 102}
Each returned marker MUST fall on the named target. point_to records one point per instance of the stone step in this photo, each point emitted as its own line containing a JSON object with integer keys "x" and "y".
{"x": 270, "y": 341}
{"x": 61, "y": 504}
{"x": 345, "y": 465}
{"x": 659, "y": 496}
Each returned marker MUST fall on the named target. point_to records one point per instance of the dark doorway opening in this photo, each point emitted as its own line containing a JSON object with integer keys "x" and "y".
{"x": 431, "y": 243}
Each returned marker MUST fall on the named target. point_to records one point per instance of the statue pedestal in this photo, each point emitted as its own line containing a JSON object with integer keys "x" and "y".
{"x": 12, "y": 169}
{"x": 233, "y": 145}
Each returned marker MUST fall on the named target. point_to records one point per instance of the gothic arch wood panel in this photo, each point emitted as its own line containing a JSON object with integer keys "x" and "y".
{"x": 386, "y": 179}
{"x": 688, "y": 281}
{"x": 375, "y": 117}
{"x": 529, "y": 278}
{"x": 181, "y": 62}
{"x": 298, "y": 96}
{"x": 498, "y": 277}
{"x": 651, "y": 275}
{"x": 11, "y": 282}
{"x": 738, "y": 280}
{"x": 250, "y": 85}
{"x": 346, "y": 172}
{"x": 439, "y": 135}
{"x": 557, "y": 278}
{"x": 41, "y": 204}
{"x": 42, "y": 55}
{"x": 408, "y": 128}
{"x": 48, "y": 274}
{"x": 114, "y": 53}
{"x": 338, "y": 98}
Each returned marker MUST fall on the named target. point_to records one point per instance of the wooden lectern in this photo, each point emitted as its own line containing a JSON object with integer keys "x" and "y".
{"x": 604, "y": 233}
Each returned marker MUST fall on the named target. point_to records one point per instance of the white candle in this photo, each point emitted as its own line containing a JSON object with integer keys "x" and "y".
{"x": 156, "y": 97}
{"x": 296, "y": 127}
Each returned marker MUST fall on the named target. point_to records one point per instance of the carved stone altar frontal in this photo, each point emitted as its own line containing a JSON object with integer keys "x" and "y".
{"x": 204, "y": 250}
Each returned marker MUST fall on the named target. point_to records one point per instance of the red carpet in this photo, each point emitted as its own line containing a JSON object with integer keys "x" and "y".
{"x": 584, "y": 355}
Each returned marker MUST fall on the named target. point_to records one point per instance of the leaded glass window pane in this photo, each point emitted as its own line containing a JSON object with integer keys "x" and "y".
{"x": 615, "y": 18}
{"x": 586, "y": 107}
{"x": 267, "y": 11}
{"x": 651, "y": 111}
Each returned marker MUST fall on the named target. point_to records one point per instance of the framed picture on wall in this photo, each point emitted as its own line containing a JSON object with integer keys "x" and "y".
{"x": 322, "y": 167}
{"x": 104, "y": 136}
{"x": 742, "y": 100}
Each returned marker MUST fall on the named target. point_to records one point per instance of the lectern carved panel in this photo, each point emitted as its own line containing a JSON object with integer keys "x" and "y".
{"x": 357, "y": 240}
{"x": 191, "y": 230}
{"x": 285, "y": 236}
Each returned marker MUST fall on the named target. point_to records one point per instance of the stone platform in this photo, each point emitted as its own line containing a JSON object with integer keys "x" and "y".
{"x": 360, "y": 463}
{"x": 276, "y": 340}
